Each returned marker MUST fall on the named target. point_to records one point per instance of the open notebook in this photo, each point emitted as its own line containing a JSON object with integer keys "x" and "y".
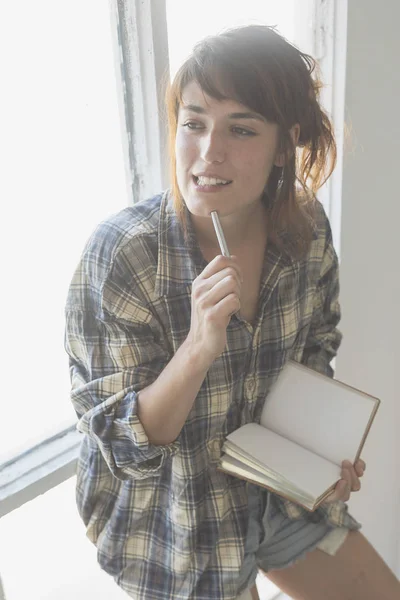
{"x": 310, "y": 423}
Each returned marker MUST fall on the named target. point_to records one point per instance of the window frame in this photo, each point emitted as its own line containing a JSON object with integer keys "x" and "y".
{"x": 330, "y": 49}
{"x": 142, "y": 66}
{"x": 38, "y": 469}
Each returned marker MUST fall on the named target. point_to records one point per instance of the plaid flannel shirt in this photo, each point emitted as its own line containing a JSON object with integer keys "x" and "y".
{"x": 166, "y": 522}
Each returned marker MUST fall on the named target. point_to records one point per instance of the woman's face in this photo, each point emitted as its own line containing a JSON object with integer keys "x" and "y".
{"x": 224, "y": 153}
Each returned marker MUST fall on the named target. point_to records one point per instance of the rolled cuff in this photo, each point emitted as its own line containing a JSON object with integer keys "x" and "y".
{"x": 115, "y": 426}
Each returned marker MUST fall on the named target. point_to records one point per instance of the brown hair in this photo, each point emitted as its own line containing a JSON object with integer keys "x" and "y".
{"x": 258, "y": 68}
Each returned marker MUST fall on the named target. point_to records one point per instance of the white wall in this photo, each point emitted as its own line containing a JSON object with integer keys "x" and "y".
{"x": 370, "y": 255}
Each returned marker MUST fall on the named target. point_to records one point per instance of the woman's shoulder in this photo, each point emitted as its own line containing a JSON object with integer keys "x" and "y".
{"x": 123, "y": 246}
{"x": 316, "y": 214}
{"x": 130, "y": 223}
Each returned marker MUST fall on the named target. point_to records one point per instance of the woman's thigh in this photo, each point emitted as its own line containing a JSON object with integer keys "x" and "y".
{"x": 355, "y": 572}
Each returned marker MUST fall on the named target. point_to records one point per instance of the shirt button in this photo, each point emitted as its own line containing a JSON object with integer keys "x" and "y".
{"x": 216, "y": 447}
{"x": 250, "y": 385}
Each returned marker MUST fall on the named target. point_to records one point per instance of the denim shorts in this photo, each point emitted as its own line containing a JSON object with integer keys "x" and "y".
{"x": 274, "y": 541}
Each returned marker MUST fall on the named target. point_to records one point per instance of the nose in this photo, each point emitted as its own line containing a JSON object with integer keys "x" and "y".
{"x": 213, "y": 148}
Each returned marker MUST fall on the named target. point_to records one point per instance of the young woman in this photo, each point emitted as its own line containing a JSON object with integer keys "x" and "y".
{"x": 173, "y": 346}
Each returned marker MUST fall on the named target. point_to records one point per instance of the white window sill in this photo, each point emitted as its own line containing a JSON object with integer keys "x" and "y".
{"x": 38, "y": 470}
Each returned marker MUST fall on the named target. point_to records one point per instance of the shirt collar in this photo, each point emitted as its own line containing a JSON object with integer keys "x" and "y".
{"x": 180, "y": 259}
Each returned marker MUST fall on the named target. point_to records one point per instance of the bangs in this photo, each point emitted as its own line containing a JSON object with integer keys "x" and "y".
{"x": 228, "y": 80}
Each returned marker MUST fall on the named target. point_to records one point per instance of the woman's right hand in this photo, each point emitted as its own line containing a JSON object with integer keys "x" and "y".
{"x": 215, "y": 298}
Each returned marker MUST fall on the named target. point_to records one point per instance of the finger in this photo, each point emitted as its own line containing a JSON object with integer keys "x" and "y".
{"x": 227, "y": 307}
{"x": 221, "y": 262}
{"x": 211, "y": 281}
{"x": 341, "y": 492}
{"x": 345, "y": 485}
{"x": 360, "y": 467}
{"x": 228, "y": 285}
{"x": 207, "y": 292}
{"x": 355, "y": 484}
{"x": 344, "y": 490}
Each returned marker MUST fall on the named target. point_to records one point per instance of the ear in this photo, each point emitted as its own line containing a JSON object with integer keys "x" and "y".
{"x": 294, "y": 133}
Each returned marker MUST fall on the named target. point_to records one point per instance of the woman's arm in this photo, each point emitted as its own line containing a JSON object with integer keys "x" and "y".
{"x": 108, "y": 368}
{"x": 131, "y": 397}
{"x": 324, "y": 338}
{"x": 166, "y": 403}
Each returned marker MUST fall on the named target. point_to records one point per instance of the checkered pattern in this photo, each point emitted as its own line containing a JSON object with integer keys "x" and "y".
{"x": 166, "y": 522}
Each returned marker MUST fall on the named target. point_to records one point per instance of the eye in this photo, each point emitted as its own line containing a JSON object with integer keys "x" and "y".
{"x": 242, "y": 132}
{"x": 193, "y": 125}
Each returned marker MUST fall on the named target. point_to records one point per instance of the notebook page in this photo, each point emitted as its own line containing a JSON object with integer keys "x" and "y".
{"x": 304, "y": 469}
{"x": 321, "y": 414}
{"x": 235, "y": 467}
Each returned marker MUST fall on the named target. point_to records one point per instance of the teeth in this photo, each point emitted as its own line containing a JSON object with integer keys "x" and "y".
{"x": 211, "y": 181}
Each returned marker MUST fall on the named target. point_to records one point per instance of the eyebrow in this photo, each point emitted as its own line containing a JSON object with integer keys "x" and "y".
{"x": 236, "y": 115}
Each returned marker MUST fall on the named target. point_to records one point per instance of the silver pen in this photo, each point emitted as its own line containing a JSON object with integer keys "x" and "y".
{"x": 220, "y": 234}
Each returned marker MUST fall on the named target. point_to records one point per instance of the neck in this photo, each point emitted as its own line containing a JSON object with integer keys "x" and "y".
{"x": 239, "y": 228}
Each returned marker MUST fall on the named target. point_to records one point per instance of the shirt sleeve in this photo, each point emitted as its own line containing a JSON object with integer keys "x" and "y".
{"x": 115, "y": 349}
{"x": 324, "y": 338}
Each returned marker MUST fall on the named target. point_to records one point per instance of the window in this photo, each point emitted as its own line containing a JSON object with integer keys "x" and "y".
{"x": 189, "y": 21}
{"x": 61, "y": 140}
{"x": 64, "y": 127}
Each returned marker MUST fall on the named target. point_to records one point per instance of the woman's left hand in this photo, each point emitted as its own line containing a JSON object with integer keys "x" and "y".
{"x": 350, "y": 481}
